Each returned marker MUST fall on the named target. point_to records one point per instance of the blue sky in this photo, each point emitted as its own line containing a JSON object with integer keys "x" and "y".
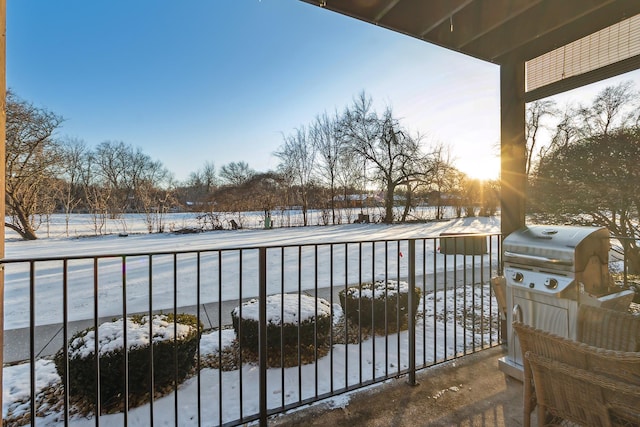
{"x": 222, "y": 80}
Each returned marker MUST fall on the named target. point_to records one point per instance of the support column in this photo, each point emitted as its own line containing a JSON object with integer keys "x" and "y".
{"x": 3, "y": 121}
{"x": 513, "y": 180}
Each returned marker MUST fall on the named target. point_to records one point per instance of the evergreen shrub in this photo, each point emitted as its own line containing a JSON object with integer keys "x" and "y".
{"x": 166, "y": 352}
{"x": 288, "y": 316}
{"x": 379, "y": 304}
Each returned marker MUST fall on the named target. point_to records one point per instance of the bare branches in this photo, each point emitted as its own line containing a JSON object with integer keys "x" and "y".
{"x": 297, "y": 157}
{"x": 31, "y": 158}
{"x": 236, "y": 173}
{"x": 393, "y": 155}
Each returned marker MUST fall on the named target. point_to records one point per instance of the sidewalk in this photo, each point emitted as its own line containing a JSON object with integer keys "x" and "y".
{"x": 48, "y": 338}
{"x": 470, "y": 391}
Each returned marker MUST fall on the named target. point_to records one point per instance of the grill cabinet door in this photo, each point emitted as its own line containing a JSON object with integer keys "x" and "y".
{"x": 549, "y": 317}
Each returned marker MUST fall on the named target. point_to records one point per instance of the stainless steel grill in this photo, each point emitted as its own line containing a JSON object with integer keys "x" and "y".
{"x": 549, "y": 271}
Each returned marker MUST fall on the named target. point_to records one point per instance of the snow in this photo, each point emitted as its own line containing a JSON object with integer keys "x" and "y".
{"x": 111, "y": 335}
{"x": 277, "y": 313}
{"x": 16, "y": 388}
{"x": 213, "y": 342}
{"x": 379, "y": 289}
{"x": 364, "y": 361}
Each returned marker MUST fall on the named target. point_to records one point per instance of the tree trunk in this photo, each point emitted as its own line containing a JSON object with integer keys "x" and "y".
{"x": 333, "y": 204}
{"x": 632, "y": 254}
{"x": 23, "y": 227}
{"x": 407, "y": 205}
{"x": 25, "y": 234}
{"x": 388, "y": 201}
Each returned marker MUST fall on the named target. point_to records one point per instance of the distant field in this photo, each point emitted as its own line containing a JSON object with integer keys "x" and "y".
{"x": 85, "y": 224}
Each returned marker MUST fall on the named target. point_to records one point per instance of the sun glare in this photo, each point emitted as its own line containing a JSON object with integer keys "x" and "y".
{"x": 483, "y": 169}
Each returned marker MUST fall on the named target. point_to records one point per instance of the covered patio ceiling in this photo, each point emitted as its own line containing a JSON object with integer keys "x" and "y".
{"x": 513, "y": 31}
{"x": 497, "y": 31}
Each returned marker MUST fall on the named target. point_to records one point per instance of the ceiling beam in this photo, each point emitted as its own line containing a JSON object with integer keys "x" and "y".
{"x": 444, "y": 17}
{"x": 518, "y": 11}
{"x": 478, "y": 19}
{"x": 531, "y": 39}
{"x": 385, "y": 10}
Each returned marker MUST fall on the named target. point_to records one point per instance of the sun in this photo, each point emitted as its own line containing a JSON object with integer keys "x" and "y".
{"x": 484, "y": 168}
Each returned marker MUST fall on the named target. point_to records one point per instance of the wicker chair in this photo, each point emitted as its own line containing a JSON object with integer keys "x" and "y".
{"x": 610, "y": 329}
{"x": 576, "y": 395}
{"x": 619, "y": 365}
{"x": 546, "y": 344}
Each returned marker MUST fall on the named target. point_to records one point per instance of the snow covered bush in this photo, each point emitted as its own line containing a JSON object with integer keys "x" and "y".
{"x": 111, "y": 351}
{"x": 378, "y": 304}
{"x": 289, "y": 317}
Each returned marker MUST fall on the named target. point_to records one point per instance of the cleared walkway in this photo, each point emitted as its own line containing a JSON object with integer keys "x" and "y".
{"x": 470, "y": 391}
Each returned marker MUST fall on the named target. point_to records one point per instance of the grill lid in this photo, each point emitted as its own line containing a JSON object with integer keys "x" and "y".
{"x": 566, "y": 248}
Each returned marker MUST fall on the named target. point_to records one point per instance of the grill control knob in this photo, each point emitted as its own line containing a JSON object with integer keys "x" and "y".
{"x": 518, "y": 277}
{"x": 551, "y": 283}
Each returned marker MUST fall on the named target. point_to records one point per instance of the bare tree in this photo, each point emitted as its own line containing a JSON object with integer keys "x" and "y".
{"x": 330, "y": 148}
{"x": 613, "y": 108}
{"x": 535, "y": 115}
{"x": 73, "y": 158}
{"x": 204, "y": 179}
{"x": 32, "y": 155}
{"x": 97, "y": 194}
{"x": 297, "y": 159}
{"x": 125, "y": 171}
{"x": 348, "y": 174}
{"x": 490, "y": 197}
{"x": 395, "y": 156}
{"x": 155, "y": 202}
{"x": 153, "y": 193}
{"x": 200, "y": 186}
{"x": 468, "y": 190}
{"x": 566, "y": 131}
{"x": 442, "y": 179}
{"x": 111, "y": 160}
{"x": 236, "y": 173}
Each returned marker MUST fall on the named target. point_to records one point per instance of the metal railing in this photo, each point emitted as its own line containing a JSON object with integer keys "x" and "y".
{"x": 48, "y": 300}
{"x": 624, "y": 262}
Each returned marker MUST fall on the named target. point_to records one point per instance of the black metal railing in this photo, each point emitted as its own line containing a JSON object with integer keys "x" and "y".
{"x": 624, "y": 263}
{"x": 48, "y": 300}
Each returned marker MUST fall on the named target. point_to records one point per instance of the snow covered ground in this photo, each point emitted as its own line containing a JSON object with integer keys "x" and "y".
{"x": 364, "y": 361}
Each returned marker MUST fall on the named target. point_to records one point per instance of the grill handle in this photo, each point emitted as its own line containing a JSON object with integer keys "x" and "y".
{"x": 536, "y": 258}
{"x": 516, "y": 314}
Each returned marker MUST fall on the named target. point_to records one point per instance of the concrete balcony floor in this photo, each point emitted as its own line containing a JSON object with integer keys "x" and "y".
{"x": 470, "y": 391}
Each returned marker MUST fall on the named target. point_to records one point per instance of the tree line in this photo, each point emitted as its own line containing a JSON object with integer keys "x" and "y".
{"x": 583, "y": 164}
{"x": 338, "y": 161}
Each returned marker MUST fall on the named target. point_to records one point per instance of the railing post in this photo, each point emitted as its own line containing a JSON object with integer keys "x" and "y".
{"x": 262, "y": 335}
{"x": 3, "y": 109}
{"x": 412, "y": 312}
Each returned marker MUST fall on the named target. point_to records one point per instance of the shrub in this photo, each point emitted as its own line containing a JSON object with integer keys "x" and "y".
{"x": 284, "y": 324}
{"x": 378, "y": 304}
{"x": 82, "y": 362}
